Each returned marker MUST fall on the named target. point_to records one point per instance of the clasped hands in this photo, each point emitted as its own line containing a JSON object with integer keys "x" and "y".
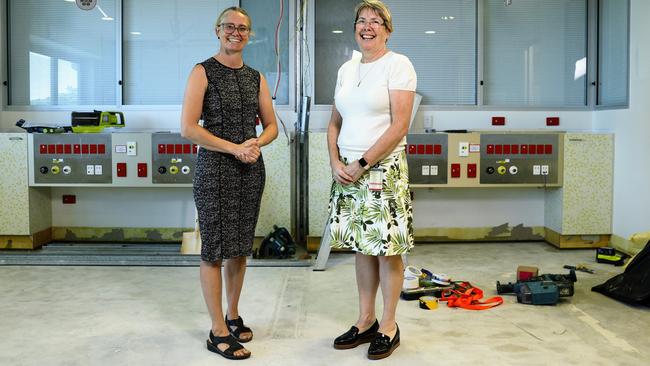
{"x": 346, "y": 174}
{"x": 248, "y": 151}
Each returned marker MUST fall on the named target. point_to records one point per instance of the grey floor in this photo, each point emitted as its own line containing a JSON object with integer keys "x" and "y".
{"x": 156, "y": 316}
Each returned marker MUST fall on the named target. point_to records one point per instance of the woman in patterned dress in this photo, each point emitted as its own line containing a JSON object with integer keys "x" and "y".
{"x": 229, "y": 179}
{"x": 370, "y": 203}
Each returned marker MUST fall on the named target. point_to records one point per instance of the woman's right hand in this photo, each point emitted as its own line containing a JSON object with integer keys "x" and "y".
{"x": 248, "y": 151}
{"x": 339, "y": 174}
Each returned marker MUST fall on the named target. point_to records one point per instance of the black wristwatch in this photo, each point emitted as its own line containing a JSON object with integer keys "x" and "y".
{"x": 364, "y": 164}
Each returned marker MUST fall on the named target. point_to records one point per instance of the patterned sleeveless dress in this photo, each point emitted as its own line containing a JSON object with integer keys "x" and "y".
{"x": 227, "y": 192}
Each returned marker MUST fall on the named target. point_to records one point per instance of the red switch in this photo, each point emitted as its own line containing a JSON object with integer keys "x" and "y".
{"x": 121, "y": 169}
{"x": 524, "y": 149}
{"x": 51, "y": 149}
{"x": 84, "y": 148}
{"x": 498, "y": 149}
{"x": 455, "y": 170}
{"x": 93, "y": 148}
{"x": 187, "y": 148}
{"x": 514, "y": 149}
{"x": 531, "y": 149}
{"x": 420, "y": 149}
{"x": 69, "y": 199}
{"x": 428, "y": 149}
{"x": 101, "y": 149}
{"x": 552, "y": 121}
{"x": 506, "y": 149}
{"x": 59, "y": 149}
{"x": 490, "y": 149}
{"x": 67, "y": 149}
{"x": 178, "y": 149}
{"x": 142, "y": 170}
{"x": 195, "y": 148}
{"x": 498, "y": 121}
{"x": 76, "y": 149}
{"x": 437, "y": 149}
{"x": 43, "y": 149}
{"x": 540, "y": 149}
{"x": 161, "y": 148}
{"x": 548, "y": 149}
{"x": 471, "y": 170}
{"x": 170, "y": 148}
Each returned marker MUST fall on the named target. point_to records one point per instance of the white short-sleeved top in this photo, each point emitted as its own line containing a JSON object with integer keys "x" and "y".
{"x": 363, "y": 101}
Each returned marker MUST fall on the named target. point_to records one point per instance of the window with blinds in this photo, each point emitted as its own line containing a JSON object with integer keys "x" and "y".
{"x": 162, "y": 41}
{"x": 535, "y": 53}
{"x": 613, "y": 52}
{"x": 260, "y": 53}
{"x": 59, "y": 54}
{"x": 438, "y": 36}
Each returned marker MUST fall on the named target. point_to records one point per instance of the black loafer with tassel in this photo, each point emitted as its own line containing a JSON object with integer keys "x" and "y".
{"x": 382, "y": 346}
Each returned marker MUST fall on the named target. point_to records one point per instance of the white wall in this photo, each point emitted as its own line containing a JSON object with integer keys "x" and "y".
{"x": 632, "y": 133}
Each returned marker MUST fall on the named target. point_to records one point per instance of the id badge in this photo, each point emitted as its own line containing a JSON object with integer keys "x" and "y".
{"x": 374, "y": 179}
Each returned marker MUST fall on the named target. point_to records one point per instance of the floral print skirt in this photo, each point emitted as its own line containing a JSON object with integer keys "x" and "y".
{"x": 377, "y": 223}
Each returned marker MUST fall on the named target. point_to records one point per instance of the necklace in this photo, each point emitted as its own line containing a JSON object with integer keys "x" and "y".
{"x": 369, "y": 69}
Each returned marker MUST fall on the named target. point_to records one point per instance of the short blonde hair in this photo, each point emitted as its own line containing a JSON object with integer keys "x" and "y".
{"x": 378, "y": 7}
{"x": 237, "y": 9}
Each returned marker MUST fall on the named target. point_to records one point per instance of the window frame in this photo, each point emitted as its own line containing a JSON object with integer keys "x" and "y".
{"x": 591, "y": 35}
{"x": 301, "y": 50}
{"x": 119, "y": 62}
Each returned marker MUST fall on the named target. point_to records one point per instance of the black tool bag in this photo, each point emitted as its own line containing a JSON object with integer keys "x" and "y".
{"x": 278, "y": 244}
{"x": 633, "y": 285}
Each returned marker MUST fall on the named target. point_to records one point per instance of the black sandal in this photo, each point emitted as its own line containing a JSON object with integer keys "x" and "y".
{"x": 239, "y": 329}
{"x": 229, "y": 352}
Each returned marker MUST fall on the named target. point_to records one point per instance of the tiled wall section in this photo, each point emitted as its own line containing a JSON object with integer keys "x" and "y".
{"x": 14, "y": 210}
{"x": 587, "y": 189}
{"x": 320, "y": 182}
{"x": 276, "y": 205}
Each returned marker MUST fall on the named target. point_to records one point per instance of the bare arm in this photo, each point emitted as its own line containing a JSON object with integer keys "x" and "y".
{"x": 333, "y": 131}
{"x": 267, "y": 115}
{"x": 401, "y": 105}
{"x": 192, "y": 107}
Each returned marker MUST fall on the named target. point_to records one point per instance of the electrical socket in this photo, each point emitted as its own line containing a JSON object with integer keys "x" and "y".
{"x": 544, "y": 170}
{"x": 537, "y": 170}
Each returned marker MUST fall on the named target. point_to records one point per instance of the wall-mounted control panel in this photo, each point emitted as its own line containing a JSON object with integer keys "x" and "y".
{"x": 127, "y": 159}
{"x": 521, "y": 158}
{"x": 70, "y": 158}
{"x": 480, "y": 159}
{"x": 426, "y": 155}
{"x": 173, "y": 158}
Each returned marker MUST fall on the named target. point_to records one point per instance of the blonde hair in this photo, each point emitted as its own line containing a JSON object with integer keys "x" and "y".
{"x": 239, "y": 10}
{"x": 378, "y": 7}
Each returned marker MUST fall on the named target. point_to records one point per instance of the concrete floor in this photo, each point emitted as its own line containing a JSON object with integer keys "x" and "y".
{"x": 156, "y": 316}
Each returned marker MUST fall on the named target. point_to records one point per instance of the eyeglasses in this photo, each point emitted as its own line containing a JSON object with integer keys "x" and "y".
{"x": 230, "y": 28}
{"x": 373, "y": 23}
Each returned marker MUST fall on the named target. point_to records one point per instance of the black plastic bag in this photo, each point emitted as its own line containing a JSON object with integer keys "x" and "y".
{"x": 633, "y": 285}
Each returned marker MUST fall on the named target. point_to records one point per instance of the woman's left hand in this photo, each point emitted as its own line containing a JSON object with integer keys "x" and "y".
{"x": 354, "y": 170}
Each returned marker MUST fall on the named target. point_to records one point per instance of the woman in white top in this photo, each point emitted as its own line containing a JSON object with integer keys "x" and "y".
{"x": 370, "y": 204}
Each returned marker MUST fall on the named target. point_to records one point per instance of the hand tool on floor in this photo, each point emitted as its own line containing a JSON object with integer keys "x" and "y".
{"x": 544, "y": 289}
{"x": 579, "y": 267}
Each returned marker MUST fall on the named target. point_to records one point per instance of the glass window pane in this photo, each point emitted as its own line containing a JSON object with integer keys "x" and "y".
{"x": 438, "y": 36}
{"x": 80, "y": 47}
{"x": 334, "y": 43}
{"x": 260, "y": 52}
{"x": 535, "y": 53}
{"x": 613, "y": 52}
{"x": 163, "y": 40}
{"x": 40, "y": 79}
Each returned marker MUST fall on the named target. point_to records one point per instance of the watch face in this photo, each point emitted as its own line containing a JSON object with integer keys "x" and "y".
{"x": 86, "y": 4}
